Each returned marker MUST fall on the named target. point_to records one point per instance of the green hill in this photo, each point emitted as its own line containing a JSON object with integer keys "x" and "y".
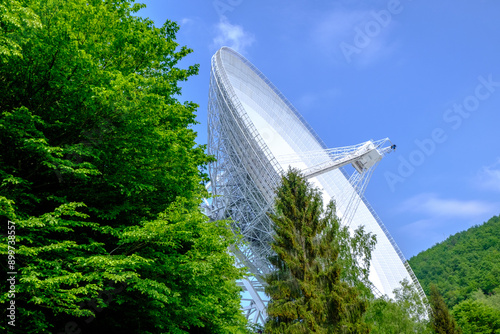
{"x": 463, "y": 263}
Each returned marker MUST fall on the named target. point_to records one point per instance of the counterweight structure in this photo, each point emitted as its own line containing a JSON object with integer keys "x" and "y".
{"x": 255, "y": 134}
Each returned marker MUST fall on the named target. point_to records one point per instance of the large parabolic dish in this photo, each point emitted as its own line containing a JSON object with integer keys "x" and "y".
{"x": 251, "y": 125}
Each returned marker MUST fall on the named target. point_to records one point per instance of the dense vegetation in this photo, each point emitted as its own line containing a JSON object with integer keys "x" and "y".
{"x": 466, "y": 270}
{"x": 442, "y": 322}
{"x": 309, "y": 290}
{"x": 321, "y": 273}
{"x": 462, "y": 264}
{"x": 406, "y": 313}
{"x": 101, "y": 176}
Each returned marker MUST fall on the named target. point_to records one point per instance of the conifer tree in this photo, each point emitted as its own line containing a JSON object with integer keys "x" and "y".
{"x": 441, "y": 320}
{"x": 307, "y": 290}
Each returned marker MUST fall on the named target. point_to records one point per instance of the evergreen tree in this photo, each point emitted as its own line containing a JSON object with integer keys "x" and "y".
{"x": 307, "y": 290}
{"x": 441, "y": 320}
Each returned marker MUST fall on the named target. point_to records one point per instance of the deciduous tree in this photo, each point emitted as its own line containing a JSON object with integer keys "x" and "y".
{"x": 15, "y": 20}
{"x": 405, "y": 314}
{"x": 476, "y": 317}
{"x": 463, "y": 263}
{"x": 102, "y": 177}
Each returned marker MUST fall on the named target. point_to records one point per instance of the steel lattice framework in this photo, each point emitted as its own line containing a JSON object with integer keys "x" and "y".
{"x": 254, "y": 134}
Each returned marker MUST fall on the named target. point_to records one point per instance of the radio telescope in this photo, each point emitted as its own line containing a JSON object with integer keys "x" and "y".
{"x": 255, "y": 134}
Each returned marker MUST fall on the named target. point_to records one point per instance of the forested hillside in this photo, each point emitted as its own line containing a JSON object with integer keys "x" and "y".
{"x": 463, "y": 263}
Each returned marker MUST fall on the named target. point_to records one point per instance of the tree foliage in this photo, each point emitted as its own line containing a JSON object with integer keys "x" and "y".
{"x": 463, "y": 263}
{"x": 492, "y": 299}
{"x": 405, "y": 314}
{"x": 479, "y": 314}
{"x": 307, "y": 290}
{"x": 466, "y": 268}
{"x": 441, "y": 320}
{"x": 15, "y": 19}
{"x": 102, "y": 177}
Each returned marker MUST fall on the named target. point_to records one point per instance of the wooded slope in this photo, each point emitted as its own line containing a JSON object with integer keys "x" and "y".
{"x": 463, "y": 263}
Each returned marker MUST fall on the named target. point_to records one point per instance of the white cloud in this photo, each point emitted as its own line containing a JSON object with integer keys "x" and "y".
{"x": 355, "y": 36}
{"x": 232, "y": 35}
{"x": 423, "y": 228}
{"x": 489, "y": 177}
{"x": 424, "y": 233}
{"x": 434, "y": 218}
{"x": 337, "y": 27}
{"x": 431, "y": 204}
{"x": 186, "y": 21}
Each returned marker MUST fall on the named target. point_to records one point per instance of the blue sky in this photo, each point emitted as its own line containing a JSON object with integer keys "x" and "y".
{"x": 426, "y": 74}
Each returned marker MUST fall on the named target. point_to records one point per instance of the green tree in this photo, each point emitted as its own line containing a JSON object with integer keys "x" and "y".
{"x": 15, "y": 19}
{"x": 441, "y": 320}
{"x": 492, "y": 300}
{"x": 102, "y": 177}
{"x": 477, "y": 317}
{"x": 463, "y": 263}
{"x": 308, "y": 294}
{"x": 407, "y": 313}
